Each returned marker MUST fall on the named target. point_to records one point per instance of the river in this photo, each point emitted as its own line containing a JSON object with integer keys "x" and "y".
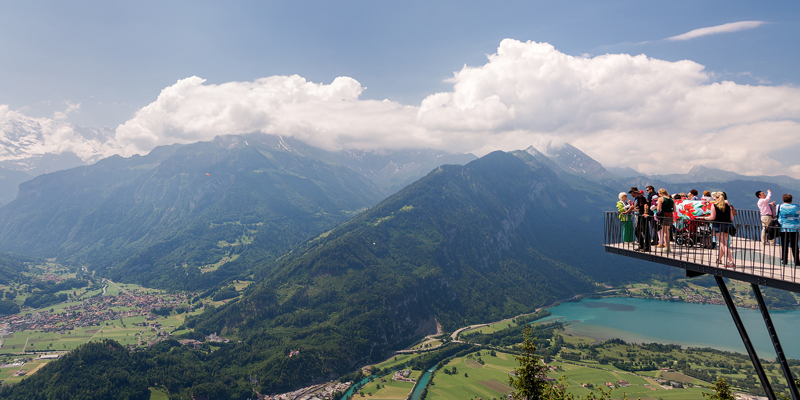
{"x": 687, "y": 324}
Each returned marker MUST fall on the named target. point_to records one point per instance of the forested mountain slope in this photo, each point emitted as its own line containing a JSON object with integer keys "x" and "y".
{"x": 157, "y": 219}
{"x": 465, "y": 244}
{"x": 499, "y": 236}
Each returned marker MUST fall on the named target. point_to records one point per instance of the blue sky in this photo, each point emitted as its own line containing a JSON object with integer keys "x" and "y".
{"x": 606, "y": 76}
{"x": 115, "y": 57}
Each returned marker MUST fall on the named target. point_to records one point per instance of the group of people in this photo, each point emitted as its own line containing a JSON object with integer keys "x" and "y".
{"x": 655, "y": 212}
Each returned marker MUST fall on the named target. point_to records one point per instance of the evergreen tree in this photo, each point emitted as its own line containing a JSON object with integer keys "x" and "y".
{"x": 529, "y": 382}
{"x": 722, "y": 391}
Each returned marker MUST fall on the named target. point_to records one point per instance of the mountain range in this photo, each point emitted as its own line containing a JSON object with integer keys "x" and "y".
{"x": 346, "y": 267}
{"x": 189, "y": 216}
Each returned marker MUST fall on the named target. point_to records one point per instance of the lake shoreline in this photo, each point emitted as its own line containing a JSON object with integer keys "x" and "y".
{"x": 638, "y": 320}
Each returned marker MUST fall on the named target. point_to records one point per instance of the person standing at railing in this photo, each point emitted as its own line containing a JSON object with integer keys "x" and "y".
{"x": 767, "y": 210}
{"x": 722, "y": 215}
{"x": 666, "y": 208}
{"x": 642, "y": 209}
{"x": 625, "y": 209}
{"x": 652, "y": 199}
{"x": 789, "y": 217}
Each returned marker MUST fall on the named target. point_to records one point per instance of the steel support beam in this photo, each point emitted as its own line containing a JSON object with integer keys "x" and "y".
{"x": 745, "y": 338}
{"x": 775, "y": 342}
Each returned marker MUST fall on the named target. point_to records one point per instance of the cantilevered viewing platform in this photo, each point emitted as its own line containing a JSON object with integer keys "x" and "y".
{"x": 695, "y": 249}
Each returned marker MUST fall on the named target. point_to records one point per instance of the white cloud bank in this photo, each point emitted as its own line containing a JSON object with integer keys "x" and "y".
{"x": 653, "y": 115}
{"x": 712, "y": 30}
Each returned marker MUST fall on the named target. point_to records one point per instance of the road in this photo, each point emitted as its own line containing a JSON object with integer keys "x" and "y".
{"x": 455, "y": 334}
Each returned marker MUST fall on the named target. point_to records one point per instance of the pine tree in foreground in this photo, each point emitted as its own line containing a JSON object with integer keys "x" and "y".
{"x": 722, "y": 391}
{"x": 530, "y": 381}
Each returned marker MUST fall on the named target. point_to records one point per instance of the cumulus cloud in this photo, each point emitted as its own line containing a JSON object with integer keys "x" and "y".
{"x": 653, "y": 115}
{"x": 328, "y": 116}
{"x": 713, "y": 30}
{"x": 624, "y": 110}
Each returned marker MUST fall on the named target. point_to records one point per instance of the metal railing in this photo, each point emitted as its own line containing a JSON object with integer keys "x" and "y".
{"x": 698, "y": 242}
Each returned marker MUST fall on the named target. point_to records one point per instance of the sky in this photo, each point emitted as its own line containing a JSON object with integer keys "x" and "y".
{"x": 656, "y": 86}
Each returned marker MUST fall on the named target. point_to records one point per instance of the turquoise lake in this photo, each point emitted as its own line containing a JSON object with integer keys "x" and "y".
{"x": 687, "y": 324}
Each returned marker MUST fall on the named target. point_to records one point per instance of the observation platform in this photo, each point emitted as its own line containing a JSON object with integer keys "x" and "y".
{"x": 695, "y": 248}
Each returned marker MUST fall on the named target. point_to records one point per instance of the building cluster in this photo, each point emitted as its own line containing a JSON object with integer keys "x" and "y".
{"x": 666, "y": 384}
{"x": 213, "y": 338}
{"x": 403, "y": 376}
{"x": 91, "y": 312}
{"x": 324, "y": 391}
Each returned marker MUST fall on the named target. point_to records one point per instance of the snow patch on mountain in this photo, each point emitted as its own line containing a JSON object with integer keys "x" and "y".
{"x": 41, "y": 145}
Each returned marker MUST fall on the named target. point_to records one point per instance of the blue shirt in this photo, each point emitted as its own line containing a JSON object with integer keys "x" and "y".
{"x": 789, "y": 217}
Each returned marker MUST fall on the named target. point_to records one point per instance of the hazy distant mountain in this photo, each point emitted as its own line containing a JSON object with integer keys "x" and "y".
{"x": 700, "y": 173}
{"x": 41, "y": 145}
{"x": 392, "y": 170}
{"x": 572, "y": 160}
{"x": 9, "y": 182}
{"x": 624, "y": 172}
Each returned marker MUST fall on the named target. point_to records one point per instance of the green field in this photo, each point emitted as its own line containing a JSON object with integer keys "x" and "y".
{"x": 498, "y": 326}
{"x": 398, "y": 360}
{"x": 389, "y": 389}
{"x": 156, "y": 394}
{"x": 486, "y": 381}
{"x": 490, "y": 380}
{"x": 30, "y": 367}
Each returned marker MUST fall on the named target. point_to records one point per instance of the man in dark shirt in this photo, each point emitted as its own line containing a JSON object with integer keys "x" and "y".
{"x": 642, "y": 219}
{"x": 651, "y": 194}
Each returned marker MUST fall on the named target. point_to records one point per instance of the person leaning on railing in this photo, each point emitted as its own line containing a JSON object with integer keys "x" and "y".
{"x": 722, "y": 215}
{"x": 625, "y": 209}
{"x": 789, "y": 217}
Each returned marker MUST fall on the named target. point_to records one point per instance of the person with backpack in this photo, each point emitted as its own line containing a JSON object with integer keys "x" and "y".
{"x": 666, "y": 208}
